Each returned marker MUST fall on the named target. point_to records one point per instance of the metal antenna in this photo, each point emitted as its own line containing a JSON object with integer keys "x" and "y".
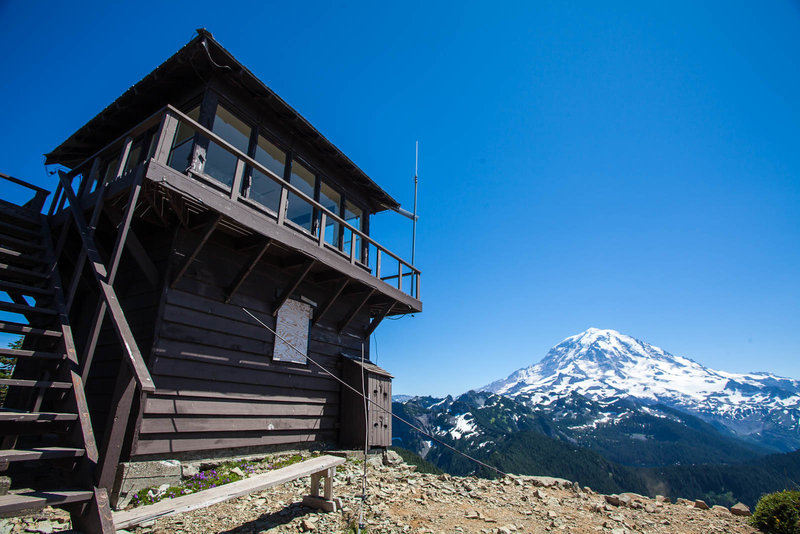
{"x": 414, "y": 223}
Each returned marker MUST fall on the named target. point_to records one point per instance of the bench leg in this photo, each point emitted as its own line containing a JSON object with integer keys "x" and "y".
{"x": 327, "y": 502}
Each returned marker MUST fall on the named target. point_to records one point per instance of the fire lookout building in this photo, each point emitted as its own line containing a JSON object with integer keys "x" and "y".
{"x": 195, "y": 206}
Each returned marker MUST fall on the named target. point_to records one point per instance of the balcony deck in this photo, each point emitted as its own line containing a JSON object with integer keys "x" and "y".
{"x": 382, "y": 271}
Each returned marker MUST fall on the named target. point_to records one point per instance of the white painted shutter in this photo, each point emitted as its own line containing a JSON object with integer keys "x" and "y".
{"x": 293, "y": 324}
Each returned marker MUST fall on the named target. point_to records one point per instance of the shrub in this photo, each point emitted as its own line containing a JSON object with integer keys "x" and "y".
{"x": 778, "y": 513}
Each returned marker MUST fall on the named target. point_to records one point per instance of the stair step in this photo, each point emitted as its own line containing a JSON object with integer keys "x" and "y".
{"x": 20, "y": 213}
{"x": 14, "y": 242}
{"x": 23, "y": 309}
{"x": 17, "y": 353}
{"x": 10, "y": 327}
{"x": 22, "y": 258}
{"x": 25, "y": 289}
{"x": 39, "y": 453}
{"x": 11, "y": 272}
{"x": 45, "y": 384}
{"x": 19, "y": 417}
{"x": 15, "y": 230}
{"x": 39, "y": 499}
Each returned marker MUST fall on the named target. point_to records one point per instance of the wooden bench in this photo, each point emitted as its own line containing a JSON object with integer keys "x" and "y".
{"x": 317, "y": 468}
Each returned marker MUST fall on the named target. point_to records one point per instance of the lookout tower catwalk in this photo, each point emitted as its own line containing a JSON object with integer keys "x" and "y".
{"x": 197, "y": 193}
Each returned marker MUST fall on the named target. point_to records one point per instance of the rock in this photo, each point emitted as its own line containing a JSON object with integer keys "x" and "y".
{"x": 612, "y": 500}
{"x": 634, "y": 496}
{"x": 662, "y": 499}
{"x": 741, "y": 509}
{"x": 549, "y": 482}
{"x": 189, "y": 470}
{"x": 391, "y": 458}
{"x": 700, "y": 504}
{"x": 308, "y": 525}
{"x": 238, "y": 471}
{"x": 649, "y": 508}
{"x": 720, "y": 510}
{"x": 473, "y": 514}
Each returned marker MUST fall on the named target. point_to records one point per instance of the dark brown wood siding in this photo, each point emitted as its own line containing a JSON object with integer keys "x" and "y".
{"x": 217, "y": 386}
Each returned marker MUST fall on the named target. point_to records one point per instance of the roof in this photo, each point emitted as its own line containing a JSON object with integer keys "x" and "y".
{"x": 193, "y": 64}
{"x": 367, "y": 365}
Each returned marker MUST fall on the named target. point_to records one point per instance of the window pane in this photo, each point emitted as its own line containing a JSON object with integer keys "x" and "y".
{"x": 220, "y": 163}
{"x": 299, "y": 211}
{"x": 179, "y": 156}
{"x": 330, "y": 199}
{"x": 353, "y": 215}
{"x": 263, "y": 189}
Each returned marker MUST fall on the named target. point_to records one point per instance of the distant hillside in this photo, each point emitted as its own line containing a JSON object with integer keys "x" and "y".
{"x": 516, "y": 439}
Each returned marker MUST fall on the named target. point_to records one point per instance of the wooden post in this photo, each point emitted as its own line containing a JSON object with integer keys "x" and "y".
{"x": 237, "y": 179}
{"x": 121, "y": 403}
{"x": 399, "y": 275}
{"x": 378, "y": 263}
{"x": 166, "y": 134}
{"x": 322, "y": 222}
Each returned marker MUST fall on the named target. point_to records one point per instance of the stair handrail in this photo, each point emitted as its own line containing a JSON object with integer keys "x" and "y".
{"x": 98, "y": 268}
{"x": 37, "y": 202}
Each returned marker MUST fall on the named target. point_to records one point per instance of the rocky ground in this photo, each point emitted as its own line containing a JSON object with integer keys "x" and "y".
{"x": 401, "y": 500}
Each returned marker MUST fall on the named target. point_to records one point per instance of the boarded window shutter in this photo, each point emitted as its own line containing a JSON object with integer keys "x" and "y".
{"x": 293, "y": 323}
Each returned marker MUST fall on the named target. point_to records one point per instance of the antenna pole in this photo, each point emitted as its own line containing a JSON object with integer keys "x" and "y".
{"x": 414, "y": 220}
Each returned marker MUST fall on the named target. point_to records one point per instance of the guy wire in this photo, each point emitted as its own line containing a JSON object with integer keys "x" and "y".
{"x": 367, "y": 399}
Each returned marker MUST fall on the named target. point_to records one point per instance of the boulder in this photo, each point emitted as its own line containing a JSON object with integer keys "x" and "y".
{"x": 720, "y": 510}
{"x": 613, "y": 500}
{"x": 700, "y": 504}
{"x": 741, "y": 509}
{"x": 391, "y": 458}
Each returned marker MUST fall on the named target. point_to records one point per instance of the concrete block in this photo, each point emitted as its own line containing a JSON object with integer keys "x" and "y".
{"x": 135, "y": 476}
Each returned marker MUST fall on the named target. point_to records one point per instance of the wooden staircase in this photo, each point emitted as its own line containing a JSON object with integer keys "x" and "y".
{"x": 46, "y": 442}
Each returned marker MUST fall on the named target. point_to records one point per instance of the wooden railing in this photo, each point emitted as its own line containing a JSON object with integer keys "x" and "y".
{"x": 370, "y": 255}
{"x": 40, "y": 195}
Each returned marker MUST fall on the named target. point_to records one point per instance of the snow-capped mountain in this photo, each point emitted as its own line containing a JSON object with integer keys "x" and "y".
{"x": 604, "y": 365}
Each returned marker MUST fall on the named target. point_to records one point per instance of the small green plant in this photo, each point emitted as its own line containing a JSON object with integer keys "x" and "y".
{"x": 778, "y": 513}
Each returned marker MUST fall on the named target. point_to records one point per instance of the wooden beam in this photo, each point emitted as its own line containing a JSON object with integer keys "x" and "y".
{"x": 246, "y": 270}
{"x": 121, "y": 325}
{"x": 291, "y": 287}
{"x": 137, "y": 250}
{"x": 373, "y": 324}
{"x": 210, "y": 227}
{"x": 322, "y": 311}
{"x": 116, "y": 426}
{"x": 116, "y": 255}
{"x": 352, "y": 315}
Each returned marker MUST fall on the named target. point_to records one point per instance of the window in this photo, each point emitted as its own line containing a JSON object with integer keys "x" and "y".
{"x": 264, "y": 189}
{"x": 182, "y": 145}
{"x": 299, "y": 211}
{"x": 353, "y": 215}
{"x": 332, "y": 200}
{"x": 221, "y": 164}
{"x": 293, "y": 325}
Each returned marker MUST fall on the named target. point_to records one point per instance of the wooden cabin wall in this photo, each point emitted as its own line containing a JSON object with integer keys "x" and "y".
{"x": 217, "y": 384}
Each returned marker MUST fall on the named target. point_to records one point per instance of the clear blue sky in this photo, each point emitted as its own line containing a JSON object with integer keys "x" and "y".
{"x": 617, "y": 165}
